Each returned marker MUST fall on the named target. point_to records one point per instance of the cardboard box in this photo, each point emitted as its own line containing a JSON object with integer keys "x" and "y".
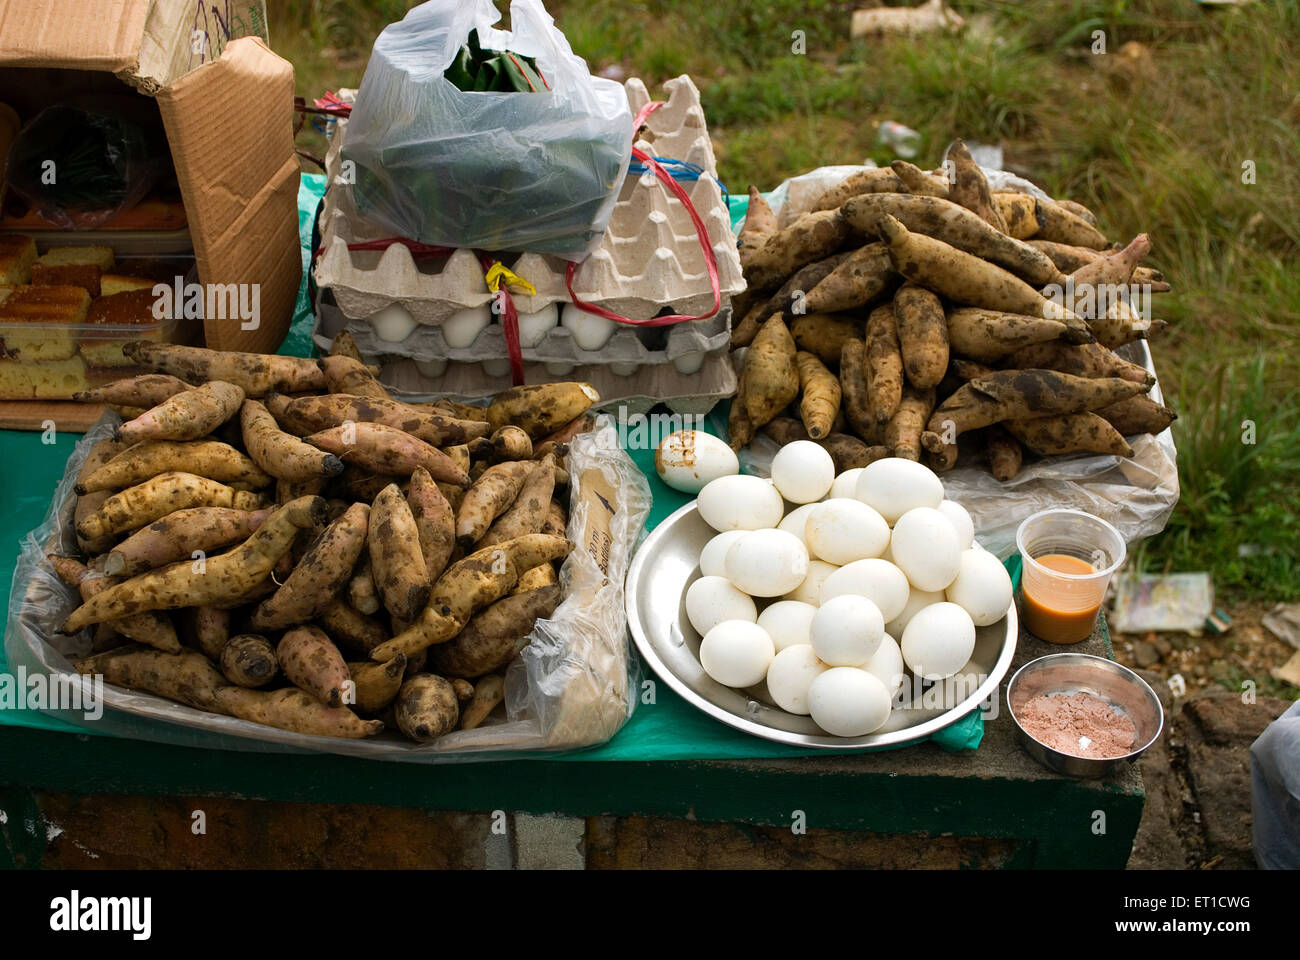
{"x": 226, "y": 103}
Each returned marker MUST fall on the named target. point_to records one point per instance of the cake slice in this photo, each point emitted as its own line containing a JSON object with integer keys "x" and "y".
{"x": 54, "y": 379}
{"x": 17, "y": 254}
{"x": 114, "y": 283}
{"x": 36, "y": 323}
{"x": 112, "y": 321}
{"x": 101, "y": 257}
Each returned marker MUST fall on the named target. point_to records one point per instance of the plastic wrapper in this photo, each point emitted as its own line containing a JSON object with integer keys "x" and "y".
{"x": 534, "y": 172}
{"x": 569, "y": 688}
{"x": 1275, "y": 793}
{"x": 1136, "y": 494}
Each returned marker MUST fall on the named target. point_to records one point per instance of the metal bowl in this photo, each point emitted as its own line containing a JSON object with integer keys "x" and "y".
{"x": 1067, "y": 673}
{"x": 668, "y": 562}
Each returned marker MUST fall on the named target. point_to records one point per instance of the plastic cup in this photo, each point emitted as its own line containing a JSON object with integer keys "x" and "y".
{"x": 1068, "y": 557}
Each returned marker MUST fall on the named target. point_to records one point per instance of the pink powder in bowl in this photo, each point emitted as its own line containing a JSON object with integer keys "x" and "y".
{"x": 1080, "y": 725}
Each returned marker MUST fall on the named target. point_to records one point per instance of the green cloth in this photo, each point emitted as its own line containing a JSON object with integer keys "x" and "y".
{"x": 668, "y": 729}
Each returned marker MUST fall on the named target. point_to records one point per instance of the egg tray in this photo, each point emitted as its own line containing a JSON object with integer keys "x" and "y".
{"x": 649, "y": 259}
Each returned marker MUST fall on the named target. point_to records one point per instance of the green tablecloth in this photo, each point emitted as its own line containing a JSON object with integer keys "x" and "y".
{"x": 668, "y": 729}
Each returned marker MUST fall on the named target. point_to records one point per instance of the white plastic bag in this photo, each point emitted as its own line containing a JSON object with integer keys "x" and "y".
{"x": 536, "y": 172}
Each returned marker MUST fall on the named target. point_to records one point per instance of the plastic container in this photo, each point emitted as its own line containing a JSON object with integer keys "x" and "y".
{"x": 1069, "y": 557}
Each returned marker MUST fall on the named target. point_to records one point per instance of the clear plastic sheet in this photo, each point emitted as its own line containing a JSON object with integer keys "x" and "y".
{"x": 535, "y": 172}
{"x": 569, "y": 688}
{"x": 1135, "y": 494}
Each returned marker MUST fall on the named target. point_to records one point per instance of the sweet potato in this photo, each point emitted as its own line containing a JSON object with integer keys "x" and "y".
{"x": 962, "y": 277}
{"x": 790, "y": 299}
{"x": 492, "y": 637}
{"x": 1019, "y": 212}
{"x": 280, "y": 454}
{"x": 257, "y": 374}
{"x": 1070, "y": 433}
{"x": 542, "y": 575}
{"x": 919, "y": 182}
{"x": 771, "y": 374}
{"x": 311, "y": 662}
{"x": 185, "y": 416}
{"x": 740, "y": 429}
{"x": 461, "y": 411}
{"x": 435, "y": 523}
{"x": 541, "y": 409}
{"x": 362, "y": 595}
{"x": 812, "y": 237}
{"x": 211, "y": 627}
{"x": 248, "y": 660}
{"x": 884, "y": 363}
{"x": 1004, "y": 453}
{"x": 348, "y": 375}
{"x": 1120, "y": 324}
{"x": 854, "y": 392}
{"x": 178, "y": 535}
{"x": 349, "y": 627}
{"x": 306, "y": 415}
{"x": 990, "y": 335}
{"x": 296, "y": 711}
{"x": 510, "y": 443}
{"x": 468, "y": 585}
{"x": 396, "y": 560}
{"x": 1079, "y": 210}
{"x": 228, "y": 576}
{"x": 151, "y": 629}
{"x": 489, "y": 497}
{"x": 963, "y": 370}
{"x": 375, "y": 685}
{"x": 820, "y": 400}
{"x": 1018, "y": 395}
{"x": 87, "y": 504}
{"x": 969, "y": 187}
{"x": 158, "y": 496}
{"x": 1060, "y": 225}
{"x": 488, "y": 694}
{"x": 1081, "y": 360}
{"x": 205, "y": 458}
{"x": 344, "y": 345}
{"x": 145, "y": 391}
{"x": 922, "y": 335}
{"x": 565, "y": 434}
{"x": 1113, "y": 269}
{"x": 903, "y": 432}
{"x": 387, "y": 450}
{"x": 864, "y": 275}
{"x": 871, "y": 180}
{"x": 319, "y": 575}
{"x": 759, "y": 222}
{"x": 528, "y": 511}
{"x": 186, "y": 677}
{"x": 427, "y": 707}
{"x": 824, "y": 335}
{"x": 1137, "y": 415}
{"x": 957, "y": 227}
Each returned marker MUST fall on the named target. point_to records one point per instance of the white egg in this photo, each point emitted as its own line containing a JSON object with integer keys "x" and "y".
{"x": 982, "y": 587}
{"x": 533, "y": 327}
{"x": 496, "y": 368}
{"x": 462, "y": 328}
{"x": 803, "y": 471}
{"x": 917, "y": 600}
{"x": 846, "y": 631}
{"x": 590, "y": 332}
{"x": 711, "y": 600}
{"x": 938, "y": 641}
{"x": 796, "y": 519}
{"x": 688, "y": 459}
{"x": 787, "y": 622}
{"x": 736, "y": 653}
{"x": 848, "y": 702}
{"x": 895, "y": 485}
{"x": 843, "y": 530}
{"x": 740, "y": 503}
{"x": 887, "y": 664}
{"x": 846, "y": 484}
{"x": 624, "y": 369}
{"x": 689, "y": 363}
{"x": 961, "y": 522}
{"x": 878, "y": 580}
{"x": 713, "y": 558}
{"x": 767, "y": 563}
{"x": 810, "y": 591}
{"x": 926, "y": 548}
{"x": 394, "y": 323}
{"x": 431, "y": 368}
{"x": 559, "y": 369}
{"x": 789, "y": 676}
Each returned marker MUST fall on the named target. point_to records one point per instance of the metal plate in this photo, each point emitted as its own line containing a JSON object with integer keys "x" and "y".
{"x": 669, "y": 561}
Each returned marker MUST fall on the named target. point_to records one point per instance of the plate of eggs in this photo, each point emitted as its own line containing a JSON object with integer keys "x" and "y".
{"x": 821, "y": 610}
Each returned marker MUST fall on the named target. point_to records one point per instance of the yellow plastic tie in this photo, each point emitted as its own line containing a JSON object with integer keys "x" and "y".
{"x": 499, "y": 273}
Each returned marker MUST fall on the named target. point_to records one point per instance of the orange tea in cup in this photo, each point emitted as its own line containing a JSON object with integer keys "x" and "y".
{"x": 1068, "y": 557}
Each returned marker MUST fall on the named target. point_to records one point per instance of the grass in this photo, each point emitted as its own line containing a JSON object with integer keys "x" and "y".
{"x": 1152, "y": 136}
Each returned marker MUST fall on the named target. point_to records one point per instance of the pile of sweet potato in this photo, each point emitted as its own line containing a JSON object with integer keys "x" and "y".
{"x": 910, "y": 308}
{"x": 279, "y": 540}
